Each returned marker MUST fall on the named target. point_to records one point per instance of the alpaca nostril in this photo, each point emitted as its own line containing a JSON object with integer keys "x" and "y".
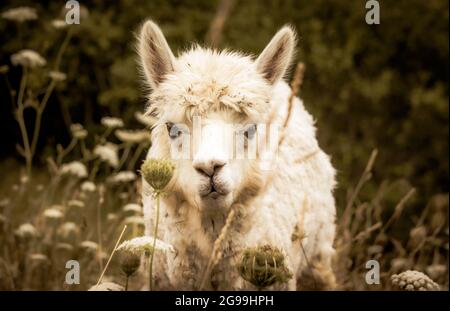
{"x": 202, "y": 172}
{"x": 209, "y": 168}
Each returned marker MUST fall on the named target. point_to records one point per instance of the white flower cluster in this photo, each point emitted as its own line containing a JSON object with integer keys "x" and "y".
{"x": 123, "y": 177}
{"x": 75, "y": 168}
{"x": 20, "y": 14}
{"x": 78, "y": 131}
{"x": 107, "y": 153}
{"x": 26, "y": 230}
{"x": 28, "y": 58}
{"x": 111, "y": 122}
{"x": 133, "y": 137}
{"x": 144, "y": 243}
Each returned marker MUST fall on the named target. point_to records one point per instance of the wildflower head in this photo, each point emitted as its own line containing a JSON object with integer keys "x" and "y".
{"x": 53, "y": 213}
{"x": 77, "y": 204}
{"x": 78, "y": 131}
{"x": 38, "y": 259}
{"x": 28, "y": 58}
{"x": 122, "y": 177}
{"x": 75, "y": 168}
{"x": 132, "y": 208}
{"x": 58, "y": 76}
{"x": 263, "y": 266}
{"x": 111, "y": 122}
{"x": 144, "y": 245}
{"x": 107, "y": 153}
{"x": 133, "y": 137}
{"x": 20, "y": 14}
{"x": 135, "y": 220}
{"x": 69, "y": 231}
{"x": 26, "y": 231}
{"x": 88, "y": 186}
{"x": 59, "y": 23}
{"x": 89, "y": 246}
{"x": 158, "y": 173}
{"x": 412, "y": 280}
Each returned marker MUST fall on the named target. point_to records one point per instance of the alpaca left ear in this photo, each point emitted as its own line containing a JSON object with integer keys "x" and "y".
{"x": 157, "y": 59}
{"x": 277, "y": 56}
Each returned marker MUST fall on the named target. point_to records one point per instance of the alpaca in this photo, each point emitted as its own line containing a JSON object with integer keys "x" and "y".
{"x": 295, "y": 213}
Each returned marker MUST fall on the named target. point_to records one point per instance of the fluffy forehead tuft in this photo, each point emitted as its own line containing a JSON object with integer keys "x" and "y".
{"x": 204, "y": 80}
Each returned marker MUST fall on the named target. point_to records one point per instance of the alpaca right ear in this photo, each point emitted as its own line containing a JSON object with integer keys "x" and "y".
{"x": 275, "y": 59}
{"x": 156, "y": 58}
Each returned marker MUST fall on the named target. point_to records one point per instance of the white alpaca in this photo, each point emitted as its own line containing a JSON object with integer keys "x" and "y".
{"x": 297, "y": 208}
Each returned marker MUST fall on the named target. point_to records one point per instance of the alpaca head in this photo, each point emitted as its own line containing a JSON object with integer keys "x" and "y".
{"x": 208, "y": 105}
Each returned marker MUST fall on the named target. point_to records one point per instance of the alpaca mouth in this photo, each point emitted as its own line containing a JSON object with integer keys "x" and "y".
{"x": 213, "y": 192}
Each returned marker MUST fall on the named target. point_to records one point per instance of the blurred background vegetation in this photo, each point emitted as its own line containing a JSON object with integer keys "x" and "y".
{"x": 369, "y": 86}
{"x": 381, "y": 87}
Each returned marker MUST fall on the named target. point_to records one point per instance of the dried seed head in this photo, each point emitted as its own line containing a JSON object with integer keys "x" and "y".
{"x": 129, "y": 262}
{"x": 158, "y": 173}
{"x": 412, "y": 280}
{"x": 263, "y": 266}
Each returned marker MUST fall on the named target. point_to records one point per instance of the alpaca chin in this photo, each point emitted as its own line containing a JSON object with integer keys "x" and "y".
{"x": 215, "y": 202}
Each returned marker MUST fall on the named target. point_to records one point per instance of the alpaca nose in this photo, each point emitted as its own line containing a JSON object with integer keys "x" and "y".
{"x": 208, "y": 167}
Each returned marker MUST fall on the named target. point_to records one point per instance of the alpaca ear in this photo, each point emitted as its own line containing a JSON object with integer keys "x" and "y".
{"x": 156, "y": 58}
{"x": 277, "y": 56}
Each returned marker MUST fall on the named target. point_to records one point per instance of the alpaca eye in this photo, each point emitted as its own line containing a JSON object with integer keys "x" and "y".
{"x": 174, "y": 131}
{"x": 250, "y": 131}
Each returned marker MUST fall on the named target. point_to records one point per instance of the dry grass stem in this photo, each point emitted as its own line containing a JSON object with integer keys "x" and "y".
{"x": 112, "y": 254}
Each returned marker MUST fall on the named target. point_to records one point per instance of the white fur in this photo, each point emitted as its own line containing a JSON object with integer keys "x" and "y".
{"x": 296, "y": 210}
